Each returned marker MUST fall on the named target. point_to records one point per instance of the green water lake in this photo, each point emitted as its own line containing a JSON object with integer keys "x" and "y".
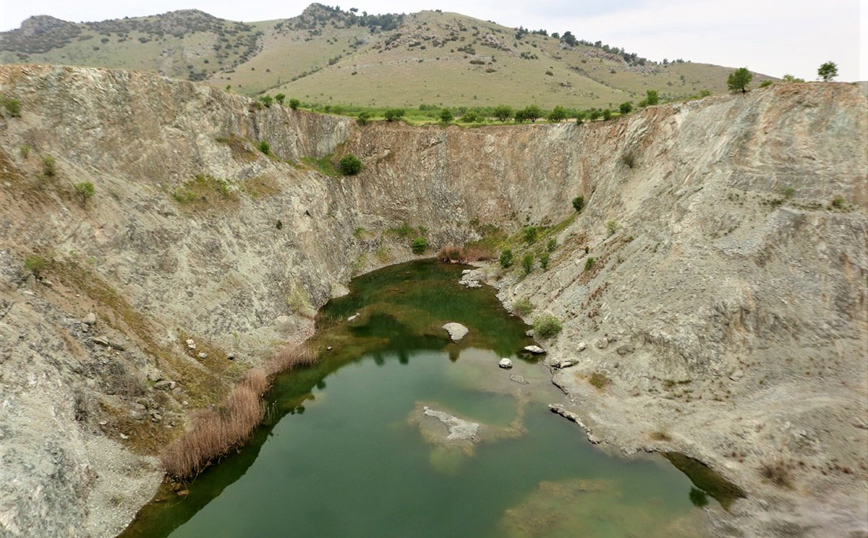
{"x": 349, "y": 451}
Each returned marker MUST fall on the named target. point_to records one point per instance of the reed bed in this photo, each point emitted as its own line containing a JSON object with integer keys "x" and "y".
{"x": 218, "y": 430}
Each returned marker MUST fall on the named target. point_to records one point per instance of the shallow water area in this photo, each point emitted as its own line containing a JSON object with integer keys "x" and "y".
{"x": 400, "y": 432}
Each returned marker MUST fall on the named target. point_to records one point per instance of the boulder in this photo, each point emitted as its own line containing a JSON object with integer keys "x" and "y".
{"x": 582, "y": 346}
{"x": 456, "y": 331}
{"x": 536, "y": 350}
{"x": 505, "y": 363}
{"x": 90, "y": 319}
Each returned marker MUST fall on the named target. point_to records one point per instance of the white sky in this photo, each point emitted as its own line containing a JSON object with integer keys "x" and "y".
{"x": 769, "y": 36}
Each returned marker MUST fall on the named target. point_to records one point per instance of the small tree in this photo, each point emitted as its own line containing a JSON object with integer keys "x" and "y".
{"x": 789, "y": 79}
{"x": 527, "y": 263}
{"x": 267, "y": 100}
{"x": 594, "y": 114}
{"x": 828, "y": 71}
{"x": 626, "y": 108}
{"x": 607, "y": 115}
{"x": 506, "y": 258}
{"x": 578, "y": 203}
{"x": 419, "y": 245}
{"x": 350, "y": 165}
{"x": 739, "y": 80}
{"x": 502, "y": 112}
{"x": 446, "y": 116}
{"x": 519, "y": 116}
{"x": 84, "y": 190}
{"x": 530, "y": 234}
{"x": 294, "y": 103}
{"x": 363, "y": 119}
{"x": 532, "y": 113}
{"x": 544, "y": 260}
{"x": 279, "y": 98}
{"x": 558, "y": 114}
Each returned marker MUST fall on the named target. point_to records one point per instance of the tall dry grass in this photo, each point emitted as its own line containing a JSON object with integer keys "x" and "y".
{"x": 469, "y": 253}
{"x": 290, "y": 358}
{"x": 216, "y": 431}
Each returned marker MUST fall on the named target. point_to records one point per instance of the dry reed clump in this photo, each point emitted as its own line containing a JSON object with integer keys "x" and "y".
{"x": 290, "y": 358}
{"x": 215, "y": 431}
{"x": 470, "y": 253}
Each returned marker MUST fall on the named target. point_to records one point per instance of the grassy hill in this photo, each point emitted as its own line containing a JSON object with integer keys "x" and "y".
{"x": 328, "y": 56}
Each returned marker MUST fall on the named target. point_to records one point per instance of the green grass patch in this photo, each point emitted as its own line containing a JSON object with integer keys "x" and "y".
{"x": 323, "y": 165}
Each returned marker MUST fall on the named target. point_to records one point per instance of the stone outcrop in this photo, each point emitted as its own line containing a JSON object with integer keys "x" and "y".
{"x": 729, "y": 282}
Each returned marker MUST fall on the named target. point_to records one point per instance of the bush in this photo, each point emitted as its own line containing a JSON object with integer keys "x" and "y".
{"x": 838, "y": 202}
{"x": 350, "y": 165}
{"x": 419, "y": 245}
{"x": 394, "y": 114}
{"x": 626, "y": 108}
{"x": 49, "y": 166}
{"x": 267, "y": 100}
{"x": 13, "y": 107}
{"x": 611, "y": 227}
{"x": 522, "y": 307}
{"x": 578, "y": 203}
{"x": 84, "y": 190}
{"x": 607, "y": 115}
{"x": 544, "y": 261}
{"x": 36, "y": 264}
{"x": 552, "y": 245}
{"x": 470, "y": 117}
{"x": 527, "y": 263}
{"x": 294, "y": 104}
{"x": 265, "y": 147}
{"x": 502, "y": 112}
{"x": 558, "y": 114}
{"x": 589, "y": 264}
{"x": 279, "y": 98}
{"x": 546, "y": 326}
{"x": 766, "y": 83}
{"x": 506, "y": 258}
{"x": 363, "y": 119}
{"x": 446, "y": 116}
{"x": 530, "y": 234}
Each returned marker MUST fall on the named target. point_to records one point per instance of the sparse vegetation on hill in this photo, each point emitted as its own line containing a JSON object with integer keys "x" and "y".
{"x": 330, "y": 55}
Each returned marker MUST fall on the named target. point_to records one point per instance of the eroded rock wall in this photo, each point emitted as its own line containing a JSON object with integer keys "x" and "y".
{"x": 726, "y": 305}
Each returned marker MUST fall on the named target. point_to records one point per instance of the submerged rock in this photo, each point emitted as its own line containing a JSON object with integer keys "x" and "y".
{"x": 456, "y": 331}
{"x": 459, "y": 429}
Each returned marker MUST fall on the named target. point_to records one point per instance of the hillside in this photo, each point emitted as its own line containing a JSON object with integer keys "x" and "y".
{"x": 328, "y": 56}
{"x": 725, "y": 304}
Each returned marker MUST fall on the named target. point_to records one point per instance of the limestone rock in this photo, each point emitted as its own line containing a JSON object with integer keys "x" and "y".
{"x": 90, "y": 319}
{"x": 581, "y": 347}
{"x": 505, "y": 363}
{"x": 456, "y": 331}
{"x": 536, "y": 350}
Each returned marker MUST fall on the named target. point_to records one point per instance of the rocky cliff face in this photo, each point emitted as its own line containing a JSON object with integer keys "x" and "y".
{"x": 726, "y": 304}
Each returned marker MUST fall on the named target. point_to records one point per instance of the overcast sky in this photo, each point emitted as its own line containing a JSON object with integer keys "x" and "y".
{"x": 769, "y": 36}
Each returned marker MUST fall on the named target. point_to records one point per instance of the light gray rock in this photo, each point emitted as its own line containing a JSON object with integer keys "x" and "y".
{"x": 354, "y": 317}
{"x": 459, "y": 429}
{"x": 90, "y": 319}
{"x": 582, "y": 346}
{"x": 602, "y": 343}
{"x": 456, "y": 331}
{"x": 536, "y": 350}
{"x": 505, "y": 363}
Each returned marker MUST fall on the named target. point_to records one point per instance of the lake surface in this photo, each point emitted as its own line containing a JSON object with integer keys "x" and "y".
{"x": 349, "y": 450}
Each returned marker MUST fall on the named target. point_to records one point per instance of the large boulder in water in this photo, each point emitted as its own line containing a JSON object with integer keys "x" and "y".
{"x": 456, "y": 331}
